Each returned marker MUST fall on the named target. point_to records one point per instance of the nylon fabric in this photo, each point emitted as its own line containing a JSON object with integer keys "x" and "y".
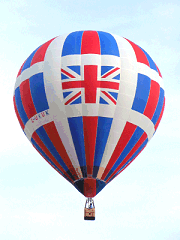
{"x": 89, "y": 102}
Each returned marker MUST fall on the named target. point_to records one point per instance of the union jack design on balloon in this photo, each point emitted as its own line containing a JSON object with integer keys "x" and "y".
{"x": 89, "y": 102}
{"x": 69, "y": 82}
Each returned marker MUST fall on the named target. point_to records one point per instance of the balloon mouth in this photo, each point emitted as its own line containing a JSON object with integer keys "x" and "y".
{"x": 89, "y": 187}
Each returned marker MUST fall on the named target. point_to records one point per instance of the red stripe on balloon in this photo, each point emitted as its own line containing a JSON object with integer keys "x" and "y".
{"x": 107, "y": 95}
{"x": 90, "y": 129}
{"x": 48, "y": 153}
{"x": 109, "y": 73}
{"x": 27, "y": 100}
{"x": 140, "y": 55}
{"x": 89, "y": 187}
{"x": 53, "y": 135}
{"x": 72, "y": 84}
{"x": 79, "y": 84}
{"x": 74, "y": 97}
{"x": 90, "y": 43}
{"x": 90, "y": 83}
{"x": 17, "y": 114}
{"x": 130, "y": 154}
{"x": 152, "y": 100}
{"x": 68, "y": 74}
{"x": 40, "y": 53}
{"x": 123, "y": 141}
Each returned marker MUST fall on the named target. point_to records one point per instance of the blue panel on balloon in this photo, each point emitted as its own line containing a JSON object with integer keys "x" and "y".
{"x": 76, "y": 69}
{"x": 159, "y": 106}
{"x": 79, "y": 185}
{"x": 20, "y": 107}
{"x": 103, "y": 129}
{"x": 49, "y": 145}
{"x": 108, "y": 44}
{"x": 64, "y": 76}
{"x": 65, "y": 94}
{"x": 117, "y": 77}
{"x": 102, "y": 101}
{"x": 99, "y": 185}
{"x": 38, "y": 92}
{"x": 77, "y": 101}
{"x": 142, "y": 93}
{"x": 76, "y": 127}
{"x": 72, "y": 44}
{"x": 27, "y": 63}
{"x": 105, "y": 69}
{"x": 114, "y": 94}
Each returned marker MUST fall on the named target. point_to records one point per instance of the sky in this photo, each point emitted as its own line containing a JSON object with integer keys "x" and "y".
{"x": 143, "y": 202}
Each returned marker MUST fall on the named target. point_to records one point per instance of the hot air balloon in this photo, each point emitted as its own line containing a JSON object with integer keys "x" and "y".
{"x": 89, "y": 102}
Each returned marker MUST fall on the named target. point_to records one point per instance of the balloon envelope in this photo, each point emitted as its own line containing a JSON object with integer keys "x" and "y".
{"x": 89, "y": 102}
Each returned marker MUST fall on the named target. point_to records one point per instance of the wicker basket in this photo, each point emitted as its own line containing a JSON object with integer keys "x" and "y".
{"x": 89, "y": 213}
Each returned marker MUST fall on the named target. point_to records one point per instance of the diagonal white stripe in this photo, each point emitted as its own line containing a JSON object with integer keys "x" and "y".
{"x": 143, "y": 122}
{"x": 29, "y": 72}
{"x": 151, "y": 73}
{"x": 37, "y": 121}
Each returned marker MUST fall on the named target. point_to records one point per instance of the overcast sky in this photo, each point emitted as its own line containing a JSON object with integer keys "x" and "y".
{"x": 143, "y": 202}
